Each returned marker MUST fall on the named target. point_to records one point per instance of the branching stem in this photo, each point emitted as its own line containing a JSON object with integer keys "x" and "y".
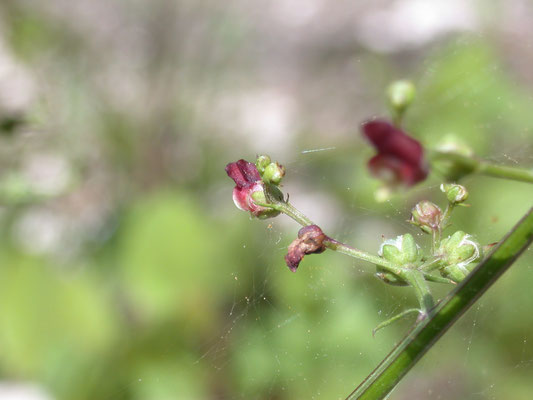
{"x": 475, "y": 165}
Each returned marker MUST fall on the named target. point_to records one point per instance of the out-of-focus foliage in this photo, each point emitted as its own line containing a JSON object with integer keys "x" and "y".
{"x": 127, "y": 273}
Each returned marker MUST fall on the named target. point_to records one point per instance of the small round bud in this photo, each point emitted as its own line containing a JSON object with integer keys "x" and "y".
{"x": 261, "y": 163}
{"x": 401, "y": 94}
{"x": 400, "y": 251}
{"x": 427, "y": 216}
{"x": 273, "y": 173}
{"x": 455, "y": 193}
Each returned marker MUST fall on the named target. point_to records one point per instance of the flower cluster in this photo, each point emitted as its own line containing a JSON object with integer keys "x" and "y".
{"x": 400, "y": 160}
{"x": 249, "y": 191}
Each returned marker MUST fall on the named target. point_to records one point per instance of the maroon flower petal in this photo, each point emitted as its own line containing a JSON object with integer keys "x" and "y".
{"x": 400, "y": 158}
{"x": 243, "y": 173}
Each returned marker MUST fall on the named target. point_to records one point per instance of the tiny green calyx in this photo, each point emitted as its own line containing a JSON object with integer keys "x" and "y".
{"x": 400, "y": 251}
{"x": 455, "y": 193}
{"x": 458, "y": 253}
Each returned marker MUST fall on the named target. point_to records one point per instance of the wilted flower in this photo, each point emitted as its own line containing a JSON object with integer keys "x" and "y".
{"x": 249, "y": 188}
{"x": 310, "y": 240}
{"x": 400, "y": 158}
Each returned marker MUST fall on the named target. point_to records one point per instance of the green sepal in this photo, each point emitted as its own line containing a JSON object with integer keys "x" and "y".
{"x": 400, "y": 251}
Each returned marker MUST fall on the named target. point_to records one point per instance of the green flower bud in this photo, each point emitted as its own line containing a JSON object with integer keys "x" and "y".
{"x": 261, "y": 163}
{"x": 455, "y": 193}
{"x": 460, "y": 248}
{"x": 273, "y": 173}
{"x": 400, "y": 95}
{"x": 459, "y": 251}
{"x": 400, "y": 251}
{"x": 426, "y": 215}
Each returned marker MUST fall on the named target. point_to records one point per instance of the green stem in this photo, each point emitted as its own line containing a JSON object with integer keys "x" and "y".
{"x": 335, "y": 245}
{"x": 395, "y": 318}
{"x": 446, "y": 216}
{"x": 416, "y": 279}
{"x": 332, "y": 244}
{"x": 502, "y": 171}
{"x": 424, "y": 334}
{"x": 474, "y": 165}
{"x": 431, "y": 265}
{"x": 291, "y": 211}
{"x": 437, "y": 279}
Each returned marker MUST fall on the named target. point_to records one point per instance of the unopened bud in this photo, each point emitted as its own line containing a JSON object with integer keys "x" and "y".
{"x": 310, "y": 241}
{"x": 400, "y": 95}
{"x": 273, "y": 173}
{"x": 400, "y": 251}
{"x": 458, "y": 252}
{"x": 455, "y": 193}
{"x": 426, "y": 215}
{"x": 261, "y": 163}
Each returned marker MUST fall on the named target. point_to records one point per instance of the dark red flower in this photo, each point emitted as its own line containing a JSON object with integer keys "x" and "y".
{"x": 400, "y": 158}
{"x": 310, "y": 241}
{"x": 247, "y": 182}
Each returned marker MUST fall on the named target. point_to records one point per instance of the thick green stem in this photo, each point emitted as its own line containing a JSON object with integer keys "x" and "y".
{"x": 474, "y": 165}
{"x": 416, "y": 279}
{"x": 502, "y": 171}
{"x": 424, "y": 334}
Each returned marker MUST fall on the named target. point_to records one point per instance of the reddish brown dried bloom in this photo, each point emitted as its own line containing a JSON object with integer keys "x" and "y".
{"x": 310, "y": 241}
{"x": 400, "y": 158}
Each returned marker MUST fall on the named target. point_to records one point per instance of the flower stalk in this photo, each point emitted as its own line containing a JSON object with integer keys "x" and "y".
{"x": 469, "y": 164}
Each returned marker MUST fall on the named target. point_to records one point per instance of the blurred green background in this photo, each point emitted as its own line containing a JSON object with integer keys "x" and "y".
{"x": 126, "y": 272}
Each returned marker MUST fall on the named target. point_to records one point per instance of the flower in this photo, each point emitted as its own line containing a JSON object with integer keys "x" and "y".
{"x": 249, "y": 188}
{"x": 310, "y": 241}
{"x": 400, "y": 158}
